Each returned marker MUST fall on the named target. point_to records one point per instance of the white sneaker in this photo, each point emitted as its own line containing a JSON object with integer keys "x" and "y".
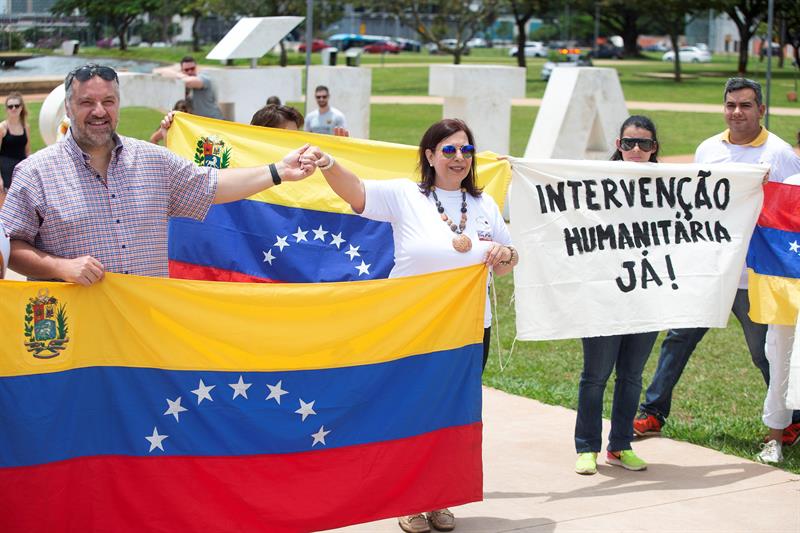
{"x": 771, "y": 452}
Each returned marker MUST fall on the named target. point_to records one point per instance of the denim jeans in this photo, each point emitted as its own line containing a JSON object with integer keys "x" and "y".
{"x": 628, "y": 353}
{"x": 678, "y": 347}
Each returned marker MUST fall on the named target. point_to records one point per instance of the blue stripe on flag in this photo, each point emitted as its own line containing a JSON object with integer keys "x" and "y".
{"x": 774, "y": 252}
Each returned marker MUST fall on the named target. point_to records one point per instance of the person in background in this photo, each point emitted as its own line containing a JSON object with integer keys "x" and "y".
{"x": 745, "y": 141}
{"x": 627, "y": 354}
{"x": 199, "y": 87}
{"x": 326, "y": 119}
{"x": 184, "y": 106}
{"x": 15, "y": 140}
{"x": 443, "y": 221}
{"x": 278, "y": 116}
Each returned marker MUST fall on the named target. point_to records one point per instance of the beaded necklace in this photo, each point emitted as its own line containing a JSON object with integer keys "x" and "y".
{"x": 461, "y": 243}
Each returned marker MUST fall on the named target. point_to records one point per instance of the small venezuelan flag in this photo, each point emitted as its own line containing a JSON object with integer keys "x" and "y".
{"x": 146, "y": 404}
{"x": 296, "y": 232}
{"x": 773, "y": 260}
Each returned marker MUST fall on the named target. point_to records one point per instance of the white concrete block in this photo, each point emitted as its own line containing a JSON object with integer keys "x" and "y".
{"x": 248, "y": 88}
{"x": 252, "y": 37}
{"x": 350, "y": 89}
{"x": 481, "y": 96}
{"x": 580, "y": 116}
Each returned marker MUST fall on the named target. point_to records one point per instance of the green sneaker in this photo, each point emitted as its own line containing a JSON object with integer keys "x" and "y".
{"x": 626, "y": 459}
{"x": 586, "y": 463}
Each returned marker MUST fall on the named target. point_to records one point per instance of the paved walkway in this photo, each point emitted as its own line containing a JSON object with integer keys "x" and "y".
{"x": 530, "y": 485}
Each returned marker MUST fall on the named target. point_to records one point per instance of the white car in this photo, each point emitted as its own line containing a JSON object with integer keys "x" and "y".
{"x": 532, "y": 49}
{"x": 689, "y": 54}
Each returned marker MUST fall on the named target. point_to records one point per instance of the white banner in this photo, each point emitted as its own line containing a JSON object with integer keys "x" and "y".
{"x": 610, "y": 247}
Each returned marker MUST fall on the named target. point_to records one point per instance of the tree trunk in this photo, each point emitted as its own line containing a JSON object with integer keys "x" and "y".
{"x": 457, "y": 56}
{"x": 521, "y": 38}
{"x": 122, "y": 34}
{"x": 744, "y": 45}
{"x": 673, "y": 38}
{"x": 195, "y": 34}
{"x": 166, "y": 22}
{"x": 630, "y": 34}
{"x": 284, "y": 61}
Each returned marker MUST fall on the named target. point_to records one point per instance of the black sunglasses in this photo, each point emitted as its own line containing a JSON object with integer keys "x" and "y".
{"x": 13, "y": 106}
{"x": 87, "y": 72}
{"x": 627, "y": 144}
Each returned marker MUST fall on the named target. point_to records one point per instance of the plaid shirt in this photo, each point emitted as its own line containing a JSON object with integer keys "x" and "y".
{"x": 62, "y": 206}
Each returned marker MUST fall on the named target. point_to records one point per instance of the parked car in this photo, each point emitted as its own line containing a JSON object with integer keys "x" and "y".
{"x": 607, "y": 51}
{"x": 452, "y": 43}
{"x": 572, "y": 58}
{"x": 777, "y": 51}
{"x": 383, "y": 47}
{"x": 477, "y": 42}
{"x": 409, "y": 45}
{"x": 656, "y": 47}
{"x": 689, "y": 54}
{"x": 316, "y": 46}
{"x": 532, "y": 49}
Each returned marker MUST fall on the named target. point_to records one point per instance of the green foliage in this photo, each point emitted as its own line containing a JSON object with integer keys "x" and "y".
{"x": 29, "y": 321}
{"x": 11, "y": 40}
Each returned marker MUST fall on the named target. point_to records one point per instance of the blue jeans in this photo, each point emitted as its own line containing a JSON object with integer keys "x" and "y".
{"x": 628, "y": 353}
{"x": 678, "y": 347}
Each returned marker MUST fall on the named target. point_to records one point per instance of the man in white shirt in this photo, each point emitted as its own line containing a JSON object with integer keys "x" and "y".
{"x": 325, "y": 119}
{"x": 745, "y": 141}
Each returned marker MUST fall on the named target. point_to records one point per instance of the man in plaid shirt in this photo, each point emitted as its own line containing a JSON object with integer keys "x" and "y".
{"x": 99, "y": 202}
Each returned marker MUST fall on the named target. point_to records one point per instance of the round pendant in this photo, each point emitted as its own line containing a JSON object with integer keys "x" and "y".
{"x": 462, "y": 243}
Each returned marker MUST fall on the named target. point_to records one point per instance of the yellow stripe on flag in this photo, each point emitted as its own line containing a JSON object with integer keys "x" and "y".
{"x": 181, "y": 325}
{"x": 773, "y": 299}
{"x": 374, "y": 160}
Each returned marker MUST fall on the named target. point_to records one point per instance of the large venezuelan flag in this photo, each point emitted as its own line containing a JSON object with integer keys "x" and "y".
{"x": 773, "y": 260}
{"x": 145, "y": 404}
{"x": 298, "y": 232}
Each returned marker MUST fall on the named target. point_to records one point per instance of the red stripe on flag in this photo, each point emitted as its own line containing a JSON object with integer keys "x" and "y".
{"x": 780, "y": 209}
{"x": 181, "y": 270}
{"x": 292, "y": 492}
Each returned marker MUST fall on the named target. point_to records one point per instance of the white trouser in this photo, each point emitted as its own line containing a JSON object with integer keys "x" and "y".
{"x": 779, "y": 352}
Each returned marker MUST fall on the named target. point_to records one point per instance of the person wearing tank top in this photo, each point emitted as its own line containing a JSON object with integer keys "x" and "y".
{"x": 14, "y": 139}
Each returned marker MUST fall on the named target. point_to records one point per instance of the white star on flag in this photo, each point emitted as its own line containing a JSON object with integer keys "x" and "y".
{"x": 352, "y": 252}
{"x": 363, "y": 268}
{"x": 203, "y": 392}
{"x": 319, "y": 233}
{"x": 239, "y": 388}
{"x": 268, "y": 257}
{"x": 319, "y": 436}
{"x": 155, "y": 440}
{"x": 175, "y": 408}
{"x": 336, "y": 240}
{"x": 275, "y": 392}
{"x": 794, "y": 247}
{"x": 306, "y": 409}
{"x": 281, "y": 242}
{"x": 300, "y": 235}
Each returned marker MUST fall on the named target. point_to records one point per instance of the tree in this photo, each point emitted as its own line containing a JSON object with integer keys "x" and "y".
{"x": 434, "y": 19}
{"x": 624, "y": 18}
{"x": 119, "y": 14}
{"x": 746, "y": 14}
{"x": 673, "y": 16}
{"x": 523, "y": 11}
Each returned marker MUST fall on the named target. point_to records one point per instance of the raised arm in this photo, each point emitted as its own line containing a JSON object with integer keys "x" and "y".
{"x": 347, "y": 185}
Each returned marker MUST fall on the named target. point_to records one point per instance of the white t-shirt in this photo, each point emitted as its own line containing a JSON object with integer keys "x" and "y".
{"x": 423, "y": 243}
{"x": 767, "y": 149}
{"x": 324, "y": 123}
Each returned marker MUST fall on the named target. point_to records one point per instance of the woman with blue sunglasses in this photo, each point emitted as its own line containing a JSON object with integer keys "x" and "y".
{"x": 626, "y": 354}
{"x": 441, "y": 222}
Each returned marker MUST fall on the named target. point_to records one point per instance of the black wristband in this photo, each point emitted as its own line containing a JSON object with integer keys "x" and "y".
{"x": 273, "y": 171}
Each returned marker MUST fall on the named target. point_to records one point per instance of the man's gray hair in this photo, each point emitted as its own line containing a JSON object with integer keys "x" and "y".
{"x": 737, "y": 84}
